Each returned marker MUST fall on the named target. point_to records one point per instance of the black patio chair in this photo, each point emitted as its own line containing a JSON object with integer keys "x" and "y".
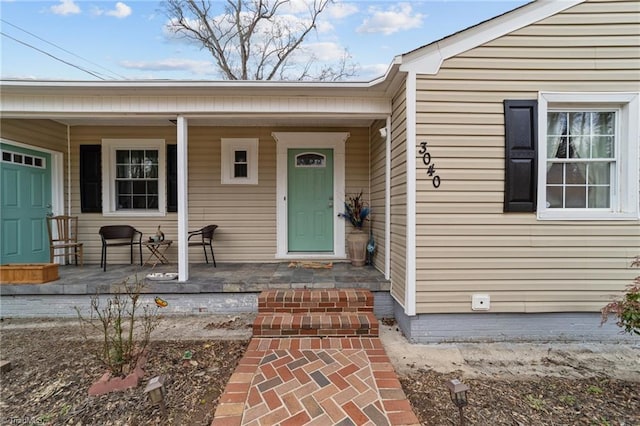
{"x": 204, "y": 237}
{"x": 119, "y": 235}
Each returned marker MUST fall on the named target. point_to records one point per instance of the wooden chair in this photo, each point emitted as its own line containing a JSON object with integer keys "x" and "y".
{"x": 119, "y": 235}
{"x": 63, "y": 238}
{"x": 204, "y": 237}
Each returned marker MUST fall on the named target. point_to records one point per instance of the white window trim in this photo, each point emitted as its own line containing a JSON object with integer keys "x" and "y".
{"x": 228, "y": 147}
{"x": 109, "y": 147}
{"x": 625, "y": 201}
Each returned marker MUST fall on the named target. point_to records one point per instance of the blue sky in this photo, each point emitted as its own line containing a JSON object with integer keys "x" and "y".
{"x": 127, "y": 39}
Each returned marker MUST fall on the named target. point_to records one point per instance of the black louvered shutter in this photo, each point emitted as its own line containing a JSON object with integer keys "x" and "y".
{"x": 521, "y": 139}
{"x": 172, "y": 178}
{"x": 91, "y": 178}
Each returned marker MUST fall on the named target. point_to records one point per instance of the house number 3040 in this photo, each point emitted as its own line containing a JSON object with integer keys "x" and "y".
{"x": 431, "y": 168}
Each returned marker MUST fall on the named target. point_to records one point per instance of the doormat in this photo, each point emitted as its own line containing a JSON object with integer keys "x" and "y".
{"x": 311, "y": 265}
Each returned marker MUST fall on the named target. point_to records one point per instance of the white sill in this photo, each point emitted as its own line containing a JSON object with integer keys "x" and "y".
{"x": 134, "y": 213}
{"x": 581, "y": 214}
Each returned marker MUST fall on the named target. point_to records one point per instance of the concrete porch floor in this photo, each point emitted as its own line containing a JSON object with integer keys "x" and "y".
{"x": 204, "y": 278}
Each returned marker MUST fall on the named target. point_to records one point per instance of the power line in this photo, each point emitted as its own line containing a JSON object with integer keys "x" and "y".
{"x": 61, "y": 48}
{"x": 52, "y": 56}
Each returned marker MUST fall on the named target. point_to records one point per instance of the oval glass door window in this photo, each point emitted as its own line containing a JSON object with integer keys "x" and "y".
{"x": 311, "y": 159}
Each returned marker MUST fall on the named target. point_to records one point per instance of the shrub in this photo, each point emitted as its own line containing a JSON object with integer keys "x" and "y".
{"x": 125, "y": 331}
{"x": 627, "y": 309}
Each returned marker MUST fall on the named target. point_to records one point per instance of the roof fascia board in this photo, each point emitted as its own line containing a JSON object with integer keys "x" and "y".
{"x": 427, "y": 60}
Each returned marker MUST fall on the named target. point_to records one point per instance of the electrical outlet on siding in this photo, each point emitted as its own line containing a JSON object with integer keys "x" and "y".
{"x": 480, "y": 302}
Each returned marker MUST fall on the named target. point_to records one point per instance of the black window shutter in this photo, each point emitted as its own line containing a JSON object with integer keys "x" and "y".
{"x": 521, "y": 139}
{"x": 91, "y": 178}
{"x": 172, "y": 178}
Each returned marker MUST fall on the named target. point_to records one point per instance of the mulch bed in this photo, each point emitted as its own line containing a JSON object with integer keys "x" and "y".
{"x": 52, "y": 372}
{"x": 531, "y": 401}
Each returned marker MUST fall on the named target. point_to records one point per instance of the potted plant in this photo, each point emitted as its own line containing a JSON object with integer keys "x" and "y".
{"x": 356, "y": 212}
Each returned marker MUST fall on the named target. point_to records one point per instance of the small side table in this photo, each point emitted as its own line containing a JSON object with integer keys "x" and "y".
{"x": 157, "y": 249}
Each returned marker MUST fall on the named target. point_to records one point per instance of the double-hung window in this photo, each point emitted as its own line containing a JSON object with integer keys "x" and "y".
{"x": 133, "y": 176}
{"x": 239, "y": 161}
{"x": 588, "y": 165}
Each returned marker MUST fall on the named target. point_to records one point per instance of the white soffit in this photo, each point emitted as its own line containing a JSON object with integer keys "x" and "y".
{"x": 428, "y": 59}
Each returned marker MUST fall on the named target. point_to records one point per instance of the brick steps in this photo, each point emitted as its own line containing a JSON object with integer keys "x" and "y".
{"x": 343, "y": 324}
{"x": 318, "y": 313}
{"x": 304, "y": 300}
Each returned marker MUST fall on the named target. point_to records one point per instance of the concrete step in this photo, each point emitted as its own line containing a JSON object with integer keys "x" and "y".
{"x": 318, "y": 300}
{"x": 316, "y": 324}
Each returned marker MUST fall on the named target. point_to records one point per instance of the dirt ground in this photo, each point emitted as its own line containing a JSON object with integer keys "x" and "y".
{"x": 511, "y": 384}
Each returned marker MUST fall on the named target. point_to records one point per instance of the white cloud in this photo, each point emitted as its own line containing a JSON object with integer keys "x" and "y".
{"x": 341, "y": 10}
{"x": 372, "y": 71}
{"x": 190, "y": 65}
{"x": 325, "y": 51}
{"x": 66, "y": 7}
{"x": 121, "y": 11}
{"x": 396, "y": 18}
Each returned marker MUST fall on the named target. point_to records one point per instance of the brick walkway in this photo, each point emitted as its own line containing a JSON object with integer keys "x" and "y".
{"x": 345, "y": 379}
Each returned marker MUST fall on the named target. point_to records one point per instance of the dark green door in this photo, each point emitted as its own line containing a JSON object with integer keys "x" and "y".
{"x": 24, "y": 204}
{"x": 310, "y": 200}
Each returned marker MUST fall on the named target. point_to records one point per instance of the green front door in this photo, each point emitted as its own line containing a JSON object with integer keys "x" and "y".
{"x": 25, "y": 201}
{"x": 310, "y": 200}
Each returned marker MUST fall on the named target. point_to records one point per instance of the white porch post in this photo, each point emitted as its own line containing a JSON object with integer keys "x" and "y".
{"x": 183, "y": 198}
{"x": 387, "y": 202}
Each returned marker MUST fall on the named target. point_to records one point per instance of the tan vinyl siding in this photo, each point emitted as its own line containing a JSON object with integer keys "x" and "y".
{"x": 39, "y": 133}
{"x": 378, "y": 192}
{"x": 465, "y": 244}
{"x": 399, "y": 197}
{"x": 245, "y": 214}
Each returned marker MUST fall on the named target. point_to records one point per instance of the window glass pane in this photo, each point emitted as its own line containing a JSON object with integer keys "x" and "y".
{"x": 602, "y": 147}
{"x": 139, "y": 187}
{"x": 152, "y": 187}
{"x": 557, "y": 148}
{"x": 124, "y": 202}
{"x": 17, "y": 158}
{"x": 152, "y": 202}
{"x": 555, "y": 173}
{"x": 123, "y": 187}
{"x": 576, "y": 197}
{"x": 151, "y": 172}
{"x": 576, "y": 173}
{"x": 556, "y": 123}
{"x": 28, "y": 160}
{"x": 137, "y": 157}
{"x": 122, "y": 157}
{"x": 603, "y": 123}
{"x": 139, "y": 202}
{"x": 599, "y": 197}
{"x": 554, "y": 197}
{"x": 240, "y": 170}
{"x": 151, "y": 156}
{"x": 599, "y": 173}
{"x": 579, "y": 123}
{"x": 122, "y": 172}
{"x": 38, "y": 162}
{"x": 6, "y": 156}
{"x": 579, "y": 147}
{"x": 240, "y": 156}
{"x": 310, "y": 160}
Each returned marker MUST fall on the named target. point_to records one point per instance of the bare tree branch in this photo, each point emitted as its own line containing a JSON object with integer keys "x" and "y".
{"x": 255, "y": 39}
